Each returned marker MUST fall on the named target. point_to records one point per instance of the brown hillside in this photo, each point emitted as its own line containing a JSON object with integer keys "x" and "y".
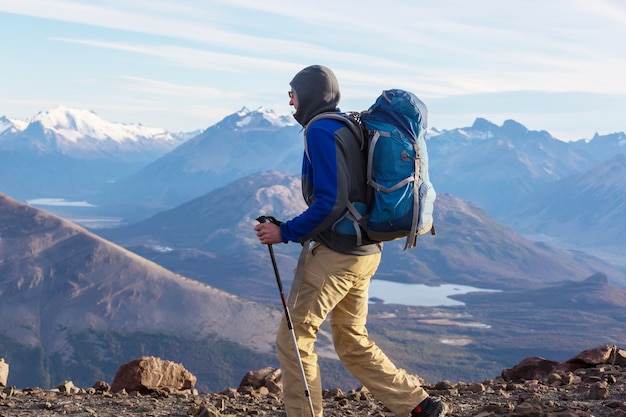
{"x": 60, "y": 284}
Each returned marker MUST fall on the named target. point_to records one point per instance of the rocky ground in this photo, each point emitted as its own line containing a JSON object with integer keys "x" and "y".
{"x": 592, "y": 384}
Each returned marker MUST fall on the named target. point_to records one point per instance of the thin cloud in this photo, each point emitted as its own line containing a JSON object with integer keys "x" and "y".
{"x": 210, "y": 60}
{"x": 183, "y": 56}
{"x": 150, "y": 86}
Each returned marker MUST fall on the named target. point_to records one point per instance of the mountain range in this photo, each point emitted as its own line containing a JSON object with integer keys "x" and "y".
{"x": 183, "y": 227}
{"x": 508, "y": 170}
{"x": 571, "y": 193}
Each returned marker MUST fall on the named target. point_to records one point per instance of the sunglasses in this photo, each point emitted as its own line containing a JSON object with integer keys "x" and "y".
{"x": 291, "y": 94}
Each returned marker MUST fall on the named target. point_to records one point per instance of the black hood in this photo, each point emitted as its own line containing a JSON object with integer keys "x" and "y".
{"x": 317, "y": 90}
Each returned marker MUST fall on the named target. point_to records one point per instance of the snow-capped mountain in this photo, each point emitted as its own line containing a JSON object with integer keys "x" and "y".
{"x": 243, "y": 141}
{"x": 84, "y": 134}
{"x": 70, "y": 153}
{"x": 8, "y": 125}
{"x": 259, "y": 119}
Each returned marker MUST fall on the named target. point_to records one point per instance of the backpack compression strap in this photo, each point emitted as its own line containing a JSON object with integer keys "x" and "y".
{"x": 411, "y": 238}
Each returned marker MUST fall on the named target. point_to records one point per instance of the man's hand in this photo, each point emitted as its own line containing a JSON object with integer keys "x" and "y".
{"x": 268, "y": 232}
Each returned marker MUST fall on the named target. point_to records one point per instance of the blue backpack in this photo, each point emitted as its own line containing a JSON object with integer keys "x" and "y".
{"x": 402, "y": 198}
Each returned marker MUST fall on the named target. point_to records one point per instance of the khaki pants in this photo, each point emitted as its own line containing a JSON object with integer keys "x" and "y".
{"x": 338, "y": 284}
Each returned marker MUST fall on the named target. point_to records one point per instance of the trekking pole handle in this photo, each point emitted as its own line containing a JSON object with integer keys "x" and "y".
{"x": 265, "y": 219}
{"x": 271, "y": 219}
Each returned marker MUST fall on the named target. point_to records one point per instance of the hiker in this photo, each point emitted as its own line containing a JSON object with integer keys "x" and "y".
{"x": 336, "y": 272}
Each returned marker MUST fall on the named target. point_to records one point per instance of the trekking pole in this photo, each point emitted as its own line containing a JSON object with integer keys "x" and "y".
{"x": 264, "y": 219}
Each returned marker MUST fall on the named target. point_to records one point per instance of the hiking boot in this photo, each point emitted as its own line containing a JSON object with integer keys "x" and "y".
{"x": 430, "y": 407}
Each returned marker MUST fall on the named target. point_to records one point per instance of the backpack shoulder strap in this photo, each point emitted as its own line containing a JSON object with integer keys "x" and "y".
{"x": 351, "y": 119}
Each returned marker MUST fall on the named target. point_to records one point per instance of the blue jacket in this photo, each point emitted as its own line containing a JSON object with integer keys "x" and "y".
{"x": 333, "y": 172}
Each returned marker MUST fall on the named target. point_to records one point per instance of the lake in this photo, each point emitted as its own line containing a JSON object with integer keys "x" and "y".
{"x": 419, "y": 294}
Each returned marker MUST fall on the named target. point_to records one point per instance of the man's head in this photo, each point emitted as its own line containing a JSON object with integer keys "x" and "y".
{"x": 317, "y": 91}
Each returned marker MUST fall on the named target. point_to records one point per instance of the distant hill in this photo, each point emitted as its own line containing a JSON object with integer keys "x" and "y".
{"x": 588, "y": 207}
{"x": 76, "y": 306}
{"x": 592, "y": 294}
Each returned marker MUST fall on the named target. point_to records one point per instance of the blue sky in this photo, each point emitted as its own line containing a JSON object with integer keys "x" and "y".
{"x": 555, "y": 65}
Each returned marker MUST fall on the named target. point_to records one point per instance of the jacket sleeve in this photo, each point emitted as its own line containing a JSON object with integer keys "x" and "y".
{"x": 325, "y": 172}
